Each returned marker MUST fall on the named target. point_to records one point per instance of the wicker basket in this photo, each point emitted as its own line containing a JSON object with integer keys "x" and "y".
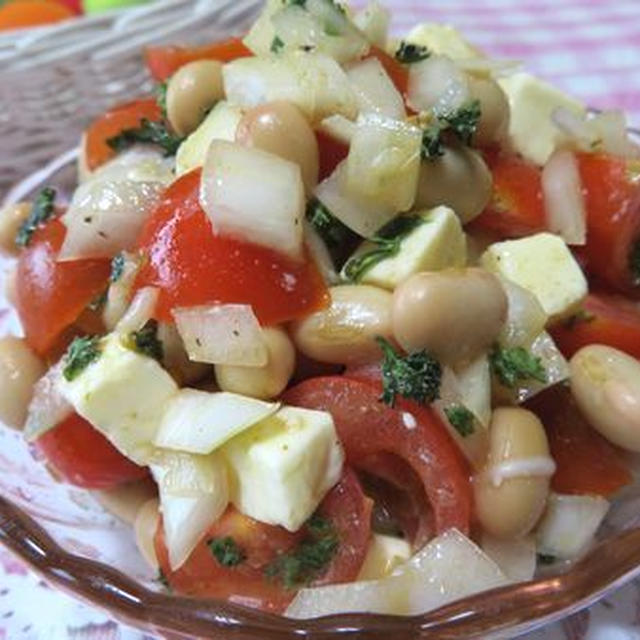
{"x": 55, "y": 79}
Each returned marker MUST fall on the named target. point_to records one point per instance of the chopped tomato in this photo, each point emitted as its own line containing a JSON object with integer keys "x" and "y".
{"x": 345, "y": 506}
{"x": 51, "y": 295}
{"x": 586, "y": 462}
{"x": 82, "y": 456}
{"x": 516, "y": 207}
{"x": 414, "y": 433}
{"x": 612, "y": 203}
{"x": 398, "y": 73}
{"x": 111, "y": 123}
{"x": 192, "y": 266}
{"x": 607, "y": 319}
{"x": 31, "y": 13}
{"x": 164, "y": 61}
{"x": 331, "y": 153}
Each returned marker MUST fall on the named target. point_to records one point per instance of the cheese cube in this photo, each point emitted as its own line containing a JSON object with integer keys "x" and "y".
{"x": 385, "y": 553}
{"x": 123, "y": 395}
{"x": 532, "y": 133}
{"x": 544, "y": 265}
{"x": 442, "y": 39}
{"x": 436, "y": 244}
{"x": 282, "y": 467}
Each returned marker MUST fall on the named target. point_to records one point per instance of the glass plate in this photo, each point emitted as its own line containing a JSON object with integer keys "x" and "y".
{"x": 68, "y": 538}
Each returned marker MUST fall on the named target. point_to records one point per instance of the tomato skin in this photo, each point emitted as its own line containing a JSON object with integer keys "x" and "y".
{"x": 516, "y": 208}
{"x": 331, "y": 153}
{"x": 82, "y": 456}
{"x": 201, "y": 575}
{"x": 111, "y": 123}
{"x": 611, "y": 320}
{"x": 612, "y": 204}
{"x": 368, "y": 427}
{"x": 162, "y": 62}
{"x": 51, "y": 295}
{"x": 586, "y": 462}
{"x": 192, "y": 266}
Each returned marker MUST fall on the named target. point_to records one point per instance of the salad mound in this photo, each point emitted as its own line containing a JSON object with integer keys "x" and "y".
{"x": 339, "y": 322}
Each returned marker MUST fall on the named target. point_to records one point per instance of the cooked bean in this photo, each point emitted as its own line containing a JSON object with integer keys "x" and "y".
{"x": 191, "y": 90}
{"x": 459, "y": 179}
{"x": 455, "y": 314}
{"x": 264, "y": 382}
{"x": 606, "y": 385}
{"x": 125, "y": 501}
{"x": 494, "y": 110}
{"x": 344, "y": 332}
{"x": 144, "y": 528}
{"x": 20, "y": 369}
{"x": 281, "y": 129}
{"x": 11, "y": 218}
{"x": 511, "y": 492}
{"x": 176, "y": 361}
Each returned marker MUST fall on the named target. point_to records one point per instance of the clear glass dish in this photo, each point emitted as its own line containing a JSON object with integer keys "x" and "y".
{"x": 66, "y": 536}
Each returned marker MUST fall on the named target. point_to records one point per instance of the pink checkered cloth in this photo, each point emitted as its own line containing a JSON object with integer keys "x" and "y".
{"x": 589, "y": 48}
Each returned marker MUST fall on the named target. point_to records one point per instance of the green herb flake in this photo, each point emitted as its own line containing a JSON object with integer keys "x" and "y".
{"x": 42, "y": 209}
{"x": 546, "y": 558}
{"x": 514, "y": 364}
{"x": 461, "y": 419}
{"x": 146, "y": 342}
{"x": 310, "y": 558}
{"x": 98, "y": 302}
{"x": 634, "y": 263}
{"x": 226, "y": 551}
{"x": 161, "y": 97}
{"x": 409, "y": 53}
{"x": 387, "y": 243}
{"x": 277, "y": 45}
{"x": 80, "y": 354}
{"x": 431, "y": 146}
{"x": 416, "y": 376}
{"x": 117, "y": 267}
{"x": 464, "y": 122}
{"x": 338, "y": 238}
{"x": 148, "y": 132}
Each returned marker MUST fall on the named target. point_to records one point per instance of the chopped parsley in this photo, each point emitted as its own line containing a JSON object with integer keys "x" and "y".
{"x": 41, "y": 211}
{"x": 338, "y": 238}
{"x": 150, "y": 132}
{"x": 431, "y": 146}
{"x": 513, "y": 364}
{"x": 415, "y": 377}
{"x": 161, "y": 97}
{"x": 546, "y": 558}
{"x": 634, "y": 263}
{"x": 146, "y": 342}
{"x": 409, "y": 53}
{"x": 387, "y": 244}
{"x": 226, "y": 551}
{"x": 98, "y": 302}
{"x": 462, "y": 124}
{"x": 277, "y": 45}
{"x": 461, "y": 419}
{"x": 80, "y": 354}
{"x": 310, "y": 558}
{"x": 117, "y": 267}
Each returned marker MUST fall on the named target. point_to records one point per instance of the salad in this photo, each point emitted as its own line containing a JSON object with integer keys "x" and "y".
{"x": 338, "y": 322}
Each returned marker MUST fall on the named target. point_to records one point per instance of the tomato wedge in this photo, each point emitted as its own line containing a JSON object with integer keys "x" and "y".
{"x": 192, "y": 266}
{"x": 516, "y": 208}
{"x": 586, "y": 462}
{"x": 164, "y": 61}
{"x": 612, "y": 203}
{"x": 51, "y": 295}
{"x": 412, "y": 432}
{"x": 111, "y": 123}
{"x": 607, "y": 319}
{"x": 331, "y": 152}
{"x": 345, "y": 506}
{"x": 82, "y": 456}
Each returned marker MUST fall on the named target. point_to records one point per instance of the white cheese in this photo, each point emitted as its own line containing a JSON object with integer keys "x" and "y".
{"x": 385, "y": 553}
{"x": 442, "y": 39}
{"x": 544, "y": 265}
{"x": 282, "y": 467}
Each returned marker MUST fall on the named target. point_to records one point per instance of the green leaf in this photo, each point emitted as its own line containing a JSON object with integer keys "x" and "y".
{"x": 117, "y": 267}
{"x": 226, "y": 551}
{"x": 161, "y": 97}
{"x": 514, "y": 364}
{"x": 80, "y": 354}
{"x": 145, "y": 341}
{"x": 461, "y": 419}
{"x": 149, "y": 132}
{"x": 277, "y": 44}
{"x": 415, "y": 377}
{"x": 42, "y": 209}
{"x": 409, "y": 53}
{"x": 431, "y": 146}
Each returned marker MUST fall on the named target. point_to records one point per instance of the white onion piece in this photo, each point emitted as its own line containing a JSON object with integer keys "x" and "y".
{"x": 140, "y": 310}
{"x": 437, "y": 84}
{"x": 569, "y": 524}
{"x": 563, "y": 198}
{"x": 119, "y": 291}
{"x": 448, "y": 568}
{"x": 261, "y": 34}
{"x": 364, "y": 217}
{"x": 489, "y": 67}
{"x": 575, "y": 126}
{"x": 526, "y": 318}
{"x": 320, "y": 254}
{"x": 254, "y": 195}
{"x": 516, "y": 558}
{"x": 48, "y": 407}
{"x": 374, "y": 90}
{"x": 374, "y": 20}
{"x": 222, "y": 334}
{"x": 338, "y": 127}
{"x": 474, "y": 383}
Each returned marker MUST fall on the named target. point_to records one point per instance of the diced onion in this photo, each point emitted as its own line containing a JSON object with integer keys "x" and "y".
{"x": 254, "y": 195}
{"x": 320, "y": 254}
{"x": 120, "y": 291}
{"x": 526, "y": 318}
{"x": 437, "y": 84}
{"x": 140, "y": 310}
{"x": 374, "y": 20}
{"x": 489, "y": 67}
{"x": 474, "y": 383}
{"x": 222, "y": 334}
{"x": 374, "y": 90}
{"x": 569, "y": 524}
{"x": 338, "y": 127}
{"x": 563, "y": 199}
{"x": 516, "y": 557}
